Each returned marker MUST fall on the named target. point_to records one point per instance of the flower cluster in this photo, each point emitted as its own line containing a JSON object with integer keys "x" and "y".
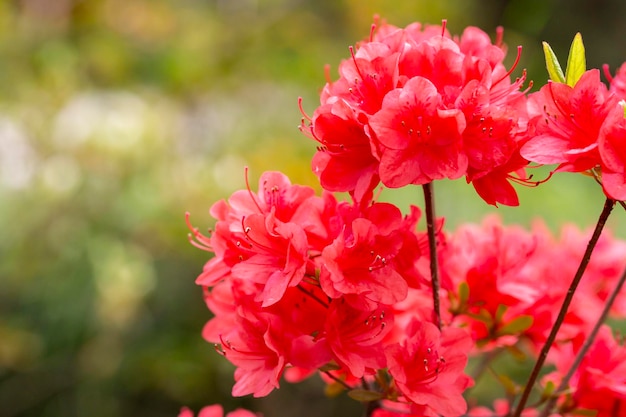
{"x": 414, "y": 105}
{"x": 354, "y": 291}
{"x": 308, "y": 282}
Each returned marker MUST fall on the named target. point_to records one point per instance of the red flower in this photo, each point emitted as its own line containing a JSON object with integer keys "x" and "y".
{"x": 599, "y": 383}
{"x": 355, "y": 335}
{"x": 568, "y": 127}
{"x": 345, "y": 161}
{"x": 359, "y": 263}
{"x": 428, "y": 368}
{"x": 418, "y": 140}
{"x": 280, "y": 256}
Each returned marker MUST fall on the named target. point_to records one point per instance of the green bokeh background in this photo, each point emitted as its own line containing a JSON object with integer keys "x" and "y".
{"x": 118, "y": 116}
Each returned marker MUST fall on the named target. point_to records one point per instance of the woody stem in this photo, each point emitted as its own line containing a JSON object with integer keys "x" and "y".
{"x": 429, "y": 203}
{"x": 608, "y": 206}
{"x": 586, "y": 346}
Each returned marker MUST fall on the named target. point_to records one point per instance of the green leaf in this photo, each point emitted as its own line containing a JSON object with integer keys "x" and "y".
{"x": 463, "y": 293}
{"x": 483, "y": 316}
{"x": 365, "y": 395}
{"x": 552, "y": 64}
{"x": 548, "y": 390}
{"x": 576, "y": 62}
{"x": 500, "y": 312}
{"x": 515, "y": 326}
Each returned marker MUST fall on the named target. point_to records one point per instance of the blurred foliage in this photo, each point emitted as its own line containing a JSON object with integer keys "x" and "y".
{"x": 118, "y": 116}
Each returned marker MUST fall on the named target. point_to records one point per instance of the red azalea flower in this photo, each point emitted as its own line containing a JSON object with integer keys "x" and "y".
{"x": 493, "y": 261}
{"x": 599, "y": 383}
{"x": 280, "y": 256}
{"x": 355, "y": 335}
{"x": 366, "y": 78}
{"x": 360, "y": 262}
{"x": 344, "y": 162}
{"x": 419, "y": 141}
{"x": 568, "y": 127}
{"x": 428, "y": 368}
{"x": 261, "y": 342}
{"x": 494, "y": 186}
{"x": 255, "y": 349}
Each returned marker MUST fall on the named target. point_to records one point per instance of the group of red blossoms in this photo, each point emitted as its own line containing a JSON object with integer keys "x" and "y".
{"x": 308, "y": 282}
{"x": 302, "y": 283}
{"x": 414, "y": 105}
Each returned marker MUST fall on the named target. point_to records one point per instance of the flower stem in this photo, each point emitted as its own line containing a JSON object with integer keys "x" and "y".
{"x": 586, "y": 346}
{"x": 608, "y": 206}
{"x": 429, "y": 203}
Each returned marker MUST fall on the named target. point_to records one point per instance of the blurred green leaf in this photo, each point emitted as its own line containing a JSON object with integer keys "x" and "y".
{"x": 516, "y": 326}
{"x": 365, "y": 395}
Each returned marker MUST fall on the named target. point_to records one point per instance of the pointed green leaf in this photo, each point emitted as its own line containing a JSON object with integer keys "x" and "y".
{"x": 548, "y": 390}
{"x": 463, "y": 292}
{"x": 364, "y": 395}
{"x": 552, "y": 64}
{"x": 500, "y": 312}
{"x": 576, "y": 61}
{"x": 463, "y": 296}
{"x": 515, "y": 326}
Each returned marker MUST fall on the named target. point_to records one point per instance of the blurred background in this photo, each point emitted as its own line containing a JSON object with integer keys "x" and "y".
{"x": 117, "y": 116}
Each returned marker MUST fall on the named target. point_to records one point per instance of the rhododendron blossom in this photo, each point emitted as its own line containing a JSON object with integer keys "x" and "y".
{"x": 568, "y": 123}
{"x": 599, "y": 383}
{"x": 428, "y": 368}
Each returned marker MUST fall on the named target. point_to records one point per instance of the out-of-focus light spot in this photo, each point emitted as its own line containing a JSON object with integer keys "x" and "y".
{"x": 19, "y": 348}
{"x": 113, "y": 120}
{"x": 101, "y": 356}
{"x": 124, "y": 275}
{"x": 17, "y": 157}
{"x": 61, "y": 173}
{"x": 228, "y": 172}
